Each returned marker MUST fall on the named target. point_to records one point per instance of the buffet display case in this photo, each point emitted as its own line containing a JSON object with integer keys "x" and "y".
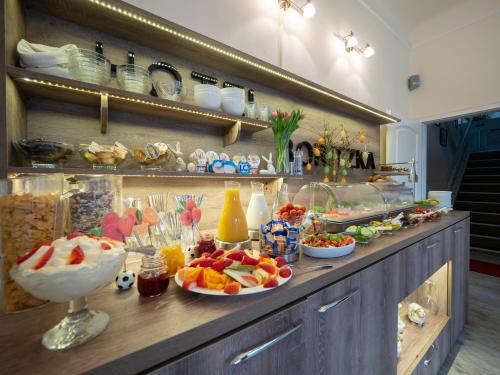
{"x": 339, "y": 206}
{"x": 397, "y": 196}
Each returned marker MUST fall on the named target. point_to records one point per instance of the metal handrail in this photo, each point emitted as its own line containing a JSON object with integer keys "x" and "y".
{"x": 457, "y": 174}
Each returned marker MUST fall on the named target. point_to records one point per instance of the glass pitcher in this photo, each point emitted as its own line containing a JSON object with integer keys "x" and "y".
{"x": 30, "y": 214}
{"x": 257, "y": 211}
{"x": 280, "y": 200}
{"x": 94, "y": 198}
{"x": 232, "y": 221}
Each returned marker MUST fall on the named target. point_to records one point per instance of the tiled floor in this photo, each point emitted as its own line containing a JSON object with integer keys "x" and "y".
{"x": 478, "y": 352}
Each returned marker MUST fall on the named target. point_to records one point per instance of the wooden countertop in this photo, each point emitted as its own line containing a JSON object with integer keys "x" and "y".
{"x": 145, "y": 333}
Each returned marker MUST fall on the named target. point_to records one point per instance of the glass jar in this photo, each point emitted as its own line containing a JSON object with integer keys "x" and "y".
{"x": 280, "y": 200}
{"x": 95, "y": 197}
{"x": 153, "y": 277}
{"x": 30, "y": 215}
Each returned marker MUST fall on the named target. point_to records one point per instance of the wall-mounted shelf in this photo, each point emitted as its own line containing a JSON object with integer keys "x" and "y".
{"x": 76, "y": 92}
{"x": 125, "y": 21}
{"x": 146, "y": 173}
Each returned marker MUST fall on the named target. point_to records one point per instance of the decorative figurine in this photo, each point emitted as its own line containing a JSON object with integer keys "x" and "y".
{"x": 125, "y": 279}
{"x": 416, "y": 314}
{"x": 191, "y": 167}
{"x": 180, "y": 164}
{"x": 270, "y": 167}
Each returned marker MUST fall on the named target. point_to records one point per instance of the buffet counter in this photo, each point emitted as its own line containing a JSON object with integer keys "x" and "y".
{"x": 157, "y": 335}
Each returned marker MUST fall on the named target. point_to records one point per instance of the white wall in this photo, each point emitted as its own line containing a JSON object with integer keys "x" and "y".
{"x": 458, "y": 58}
{"x": 305, "y": 47}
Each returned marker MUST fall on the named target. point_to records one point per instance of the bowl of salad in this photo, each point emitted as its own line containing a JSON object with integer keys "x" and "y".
{"x": 363, "y": 234}
{"x": 327, "y": 245}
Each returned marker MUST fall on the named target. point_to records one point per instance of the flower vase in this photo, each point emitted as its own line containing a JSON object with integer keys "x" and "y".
{"x": 282, "y": 157}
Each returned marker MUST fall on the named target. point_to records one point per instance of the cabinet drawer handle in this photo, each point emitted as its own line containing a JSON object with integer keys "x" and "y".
{"x": 324, "y": 308}
{"x": 457, "y": 230}
{"x": 242, "y": 357}
{"x": 432, "y": 245}
{"x": 428, "y": 361}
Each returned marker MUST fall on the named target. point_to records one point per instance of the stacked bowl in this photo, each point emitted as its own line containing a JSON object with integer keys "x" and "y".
{"x": 134, "y": 78}
{"x": 233, "y": 100}
{"x": 89, "y": 66}
{"x": 207, "y": 96}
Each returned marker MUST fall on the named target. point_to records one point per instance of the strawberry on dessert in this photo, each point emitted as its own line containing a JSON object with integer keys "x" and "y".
{"x": 69, "y": 267}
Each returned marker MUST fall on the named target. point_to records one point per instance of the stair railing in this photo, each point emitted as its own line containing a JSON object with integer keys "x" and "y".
{"x": 462, "y": 157}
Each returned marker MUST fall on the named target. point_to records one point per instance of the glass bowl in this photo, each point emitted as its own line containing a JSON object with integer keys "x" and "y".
{"x": 41, "y": 153}
{"x": 134, "y": 78}
{"x": 150, "y": 163}
{"x": 55, "y": 273}
{"x": 109, "y": 158}
{"x": 89, "y": 66}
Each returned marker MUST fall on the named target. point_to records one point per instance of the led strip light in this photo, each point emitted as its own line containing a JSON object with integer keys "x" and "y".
{"x": 142, "y": 101}
{"x": 234, "y": 56}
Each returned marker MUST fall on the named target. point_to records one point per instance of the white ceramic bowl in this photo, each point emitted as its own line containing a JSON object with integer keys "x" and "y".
{"x": 233, "y": 92}
{"x": 234, "y": 107}
{"x": 328, "y": 252}
{"x": 207, "y": 96}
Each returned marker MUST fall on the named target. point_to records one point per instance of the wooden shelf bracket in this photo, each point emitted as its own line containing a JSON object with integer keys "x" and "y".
{"x": 104, "y": 112}
{"x": 233, "y": 134}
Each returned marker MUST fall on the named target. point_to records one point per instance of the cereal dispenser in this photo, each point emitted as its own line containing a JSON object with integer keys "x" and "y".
{"x": 30, "y": 215}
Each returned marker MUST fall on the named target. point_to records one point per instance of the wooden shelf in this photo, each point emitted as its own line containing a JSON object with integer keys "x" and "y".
{"x": 71, "y": 91}
{"x": 417, "y": 340}
{"x": 125, "y": 21}
{"x": 146, "y": 173}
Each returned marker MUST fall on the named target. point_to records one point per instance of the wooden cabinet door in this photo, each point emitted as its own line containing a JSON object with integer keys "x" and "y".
{"x": 436, "y": 355}
{"x": 458, "y": 238}
{"x": 273, "y": 346}
{"x": 333, "y": 326}
{"x": 381, "y": 290}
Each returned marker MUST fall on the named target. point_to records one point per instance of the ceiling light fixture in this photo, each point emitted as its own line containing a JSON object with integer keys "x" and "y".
{"x": 351, "y": 42}
{"x": 308, "y": 10}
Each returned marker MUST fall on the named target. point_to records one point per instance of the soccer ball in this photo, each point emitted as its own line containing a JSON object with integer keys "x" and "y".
{"x": 125, "y": 279}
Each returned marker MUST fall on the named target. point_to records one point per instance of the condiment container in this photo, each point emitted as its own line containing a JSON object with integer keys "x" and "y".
{"x": 30, "y": 215}
{"x": 153, "y": 277}
{"x": 94, "y": 198}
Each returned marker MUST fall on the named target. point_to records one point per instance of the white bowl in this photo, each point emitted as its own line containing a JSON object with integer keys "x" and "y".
{"x": 233, "y": 92}
{"x": 234, "y": 107}
{"x": 207, "y": 96}
{"x": 328, "y": 252}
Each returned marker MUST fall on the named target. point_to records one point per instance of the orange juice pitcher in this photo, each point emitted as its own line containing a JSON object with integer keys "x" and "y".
{"x": 232, "y": 221}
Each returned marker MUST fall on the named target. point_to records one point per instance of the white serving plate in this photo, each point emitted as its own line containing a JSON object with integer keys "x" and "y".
{"x": 328, "y": 252}
{"x": 243, "y": 291}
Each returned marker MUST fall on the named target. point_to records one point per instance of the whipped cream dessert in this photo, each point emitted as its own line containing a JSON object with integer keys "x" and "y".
{"x": 70, "y": 267}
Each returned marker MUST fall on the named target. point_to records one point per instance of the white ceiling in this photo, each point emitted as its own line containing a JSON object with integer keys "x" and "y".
{"x": 412, "y": 19}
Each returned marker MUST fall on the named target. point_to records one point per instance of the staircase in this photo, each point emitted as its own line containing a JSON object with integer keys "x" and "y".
{"x": 479, "y": 193}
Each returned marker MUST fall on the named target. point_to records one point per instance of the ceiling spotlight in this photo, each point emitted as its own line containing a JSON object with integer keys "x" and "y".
{"x": 309, "y": 10}
{"x": 368, "y": 51}
{"x": 350, "y": 41}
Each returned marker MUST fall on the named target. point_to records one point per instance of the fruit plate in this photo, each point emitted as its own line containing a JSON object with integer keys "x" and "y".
{"x": 328, "y": 252}
{"x": 243, "y": 291}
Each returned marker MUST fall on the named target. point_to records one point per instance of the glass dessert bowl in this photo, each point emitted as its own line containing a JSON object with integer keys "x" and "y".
{"x": 67, "y": 270}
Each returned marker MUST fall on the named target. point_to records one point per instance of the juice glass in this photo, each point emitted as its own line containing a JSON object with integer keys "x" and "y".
{"x": 232, "y": 221}
{"x": 174, "y": 257}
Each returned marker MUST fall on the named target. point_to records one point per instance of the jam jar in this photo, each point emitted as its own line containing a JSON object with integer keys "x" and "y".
{"x": 153, "y": 277}
{"x": 206, "y": 244}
